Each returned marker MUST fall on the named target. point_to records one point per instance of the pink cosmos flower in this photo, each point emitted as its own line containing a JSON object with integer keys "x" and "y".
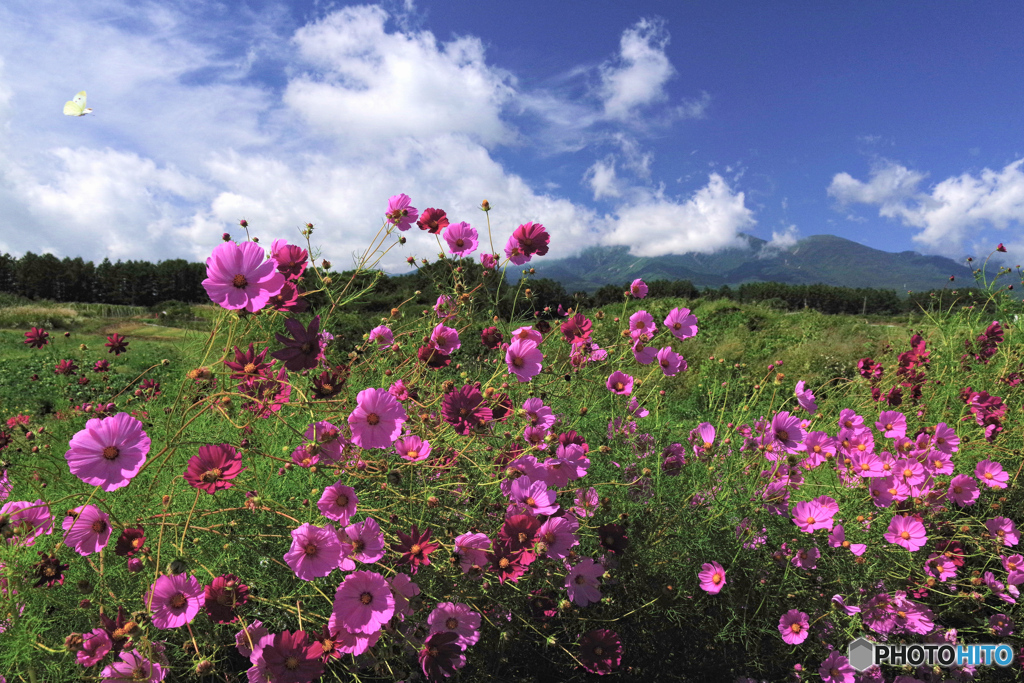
{"x": 383, "y": 336}
{"x": 133, "y": 667}
{"x": 945, "y": 438}
{"x": 413, "y": 448}
{"x": 940, "y": 566}
{"x": 5, "y": 486}
{"x": 805, "y": 398}
{"x": 638, "y": 289}
{"x": 364, "y": 602}
{"x": 88, "y": 530}
{"x": 837, "y": 539}
{"x": 515, "y": 253}
{"x": 237, "y": 277}
{"x": 527, "y": 333}
{"x": 174, "y": 599}
{"x": 461, "y": 238}
{"x": 794, "y": 627}
{"x": 640, "y": 323}
{"x": 681, "y": 323}
{"x": 22, "y": 522}
{"x": 446, "y": 307}
{"x": 620, "y": 383}
{"x": 535, "y": 495}
{"x": 246, "y": 640}
{"x": 377, "y": 419}
{"x": 671, "y": 362}
{"x": 95, "y": 646}
{"x": 403, "y": 588}
{"x": 963, "y": 490}
{"x": 585, "y": 503}
{"x": 109, "y": 451}
{"x": 465, "y": 409}
{"x": 291, "y": 259}
{"x": 366, "y": 540}
{"x": 848, "y": 610}
{"x": 457, "y": 618}
{"x": 558, "y": 534}
{"x": 213, "y": 467}
{"x": 1003, "y": 529}
{"x": 291, "y": 658}
{"x": 489, "y": 261}
{"x": 581, "y": 582}
{"x": 910, "y": 471}
{"x": 401, "y": 213}
{"x": 806, "y": 558}
{"x": 446, "y": 339}
{"x": 471, "y": 551}
{"x": 315, "y": 551}
{"x": 338, "y": 502}
{"x": 906, "y": 532}
{"x": 523, "y": 359}
{"x": 538, "y": 414}
{"x": 532, "y": 238}
{"x": 810, "y": 516}
{"x": 644, "y": 355}
{"x": 991, "y": 474}
{"x": 892, "y": 424}
{"x": 712, "y": 577}
{"x": 836, "y": 669}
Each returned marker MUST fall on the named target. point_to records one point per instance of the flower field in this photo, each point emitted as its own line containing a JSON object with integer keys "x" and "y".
{"x": 448, "y": 493}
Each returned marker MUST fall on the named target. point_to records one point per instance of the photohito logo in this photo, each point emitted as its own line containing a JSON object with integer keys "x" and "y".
{"x": 862, "y": 653}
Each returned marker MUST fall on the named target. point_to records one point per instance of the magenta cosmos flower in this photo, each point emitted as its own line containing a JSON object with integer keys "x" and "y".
{"x": 906, "y": 532}
{"x": 133, "y": 667}
{"x": 991, "y": 474}
{"x": 836, "y": 669}
{"x": 364, "y": 603}
{"x": 37, "y": 338}
{"x": 810, "y": 516}
{"x": 524, "y": 359}
{"x": 213, "y": 467}
{"x": 366, "y": 541}
{"x": 712, "y": 577}
{"x": 433, "y": 221}
{"x": 532, "y": 238}
{"x": 670, "y": 362}
{"x": 793, "y": 626}
{"x": 413, "y": 448}
{"x": 377, "y": 420}
{"x": 95, "y": 646}
{"x": 109, "y": 451}
{"x": 22, "y": 522}
{"x": 963, "y": 490}
{"x": 291, "y": 259}
{"x": 315, "y": 551}
{"x": 461, "y": 238}
{"x": 620, "y": 383}
{"x": 441, "y": 655}
{"x": 175, "y": 600}
{"x": 600, "y": 651}
{"x": 401, "y": 213}
{"x": 382, "y": 336}
{"x": 87, "y": 531}
{"x": 237, "y": 277}
{"x": 291, "y": 658}
{"x": 338, "y": 502}
{"x": 581, "y": 582}
{"x": 457, "y": 618}
{"x": 1003, "y": 529}
{"x": 681, "y": 323}
{"x": 638, "y": 289}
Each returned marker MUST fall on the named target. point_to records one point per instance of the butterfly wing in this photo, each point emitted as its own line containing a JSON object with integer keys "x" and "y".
{"x": 76, "y": 107}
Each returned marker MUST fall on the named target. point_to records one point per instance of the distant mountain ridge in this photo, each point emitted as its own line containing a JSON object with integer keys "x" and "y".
{"x": 825, "y": 259}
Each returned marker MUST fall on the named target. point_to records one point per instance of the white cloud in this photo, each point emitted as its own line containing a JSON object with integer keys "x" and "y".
{"x": 950, "y": 215}
{"x": 639, "y": 75}
{"x": 370, "y": 85}
{"x": 708, "y": 221}
{"x": 780, "y": 241}
{"x": 602, "y": 180}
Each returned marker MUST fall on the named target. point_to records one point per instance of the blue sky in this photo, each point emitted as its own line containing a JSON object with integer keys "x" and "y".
{"x": 663, "y": 126}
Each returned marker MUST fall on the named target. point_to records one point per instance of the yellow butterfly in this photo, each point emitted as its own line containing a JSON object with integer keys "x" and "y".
{"x": 76, "y": 107}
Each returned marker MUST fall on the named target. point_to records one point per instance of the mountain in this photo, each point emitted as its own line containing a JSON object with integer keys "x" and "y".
{"x": 824, "y": 259}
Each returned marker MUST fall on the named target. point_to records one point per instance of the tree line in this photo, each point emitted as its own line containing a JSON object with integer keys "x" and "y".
{"x": 141, "y": 283}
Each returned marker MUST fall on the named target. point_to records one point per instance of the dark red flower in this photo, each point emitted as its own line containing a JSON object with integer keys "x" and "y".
{"x": 49, "y": 570}
{"x": 291, "y": 260}
{"x": 300, "y": 352}
{"x": 213, "y": 467}
{"x": 543, "y": 607}
{"x": 415, "y": 548}
{"x": 249, "y": 365}
{"x": 518, "y": 534}
{"x": 1001, "y": 248}
{"x": 129, "y": 542}
{"x": 118, "y": 629}
{"x": 502, "y": 408}
{"x": 101, "y": 366}
{"x": 289, "y": 299}
{"x": 116, "y": 344}
{"x": 37, "y": 337}
{"x": 576, "y": 329}
{"x": 66, "y": 367}
{"x": 433, "y": 221}
{"x": 465, "y": 409}
{"x": 291, "y": 659}
{"x": 328, "y": 644}
{"x": 222, "y": 596}
{"x": 330, "y": 383}
{"x": 441, "y": 655}
{"x": 613, "y": 538}
{"x": 433, "y": 357}
{"x": 600, "y": 651}
{"x": 505, "y": 563}
{"x": 491, "y": 337}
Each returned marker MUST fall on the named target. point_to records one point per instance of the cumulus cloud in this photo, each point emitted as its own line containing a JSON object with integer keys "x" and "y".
{"x": 639, "y": 74}
{"x": 602, "y": 180}
{"x": 780, "y": 241}
{"x": 708, "y": 221}
{"x": 948, "y": 216}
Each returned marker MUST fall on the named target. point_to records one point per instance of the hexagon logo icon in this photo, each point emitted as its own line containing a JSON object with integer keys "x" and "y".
{"x": 861, "y": 654}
